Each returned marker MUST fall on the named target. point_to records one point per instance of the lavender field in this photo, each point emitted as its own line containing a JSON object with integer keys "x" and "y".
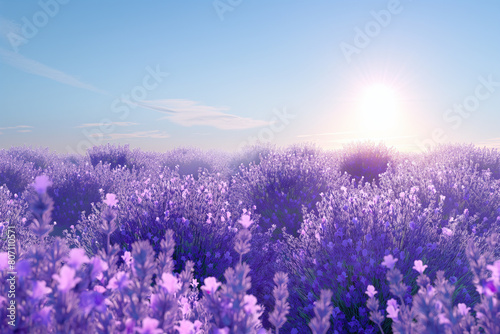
{"x": 267, "y": 240}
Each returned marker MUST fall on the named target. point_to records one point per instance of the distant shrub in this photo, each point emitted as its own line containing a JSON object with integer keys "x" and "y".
{"x": 280, "y": 186}
{"x": 40, "y": 157}
{"x": 482, "y": 159}
{"x": 488, "y": 159}
{"x": 14, "y": 212}
{"x": 249, "y": 155}
{"x": 110, "y": 154}
{"x": 15, "y": 174}
{"x": 74, "y": 190}
{"x": 457, "y": 182}
{"x": 305, "y": 150}
{"x": 365, "y": 160}
{"x": 190, "y": 161}
{"x": 73, "y": 159}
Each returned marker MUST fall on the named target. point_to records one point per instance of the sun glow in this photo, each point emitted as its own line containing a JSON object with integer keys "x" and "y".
{"x": 378, "y": 109}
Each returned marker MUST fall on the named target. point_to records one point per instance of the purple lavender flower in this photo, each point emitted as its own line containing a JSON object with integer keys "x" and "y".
{"x": 92, "y": 300}
{"x": 110, "y": 200}
{"x": 4, "y": 260}
{"x": 43, "y": 316}
{"x": 149, "y": 326}
{"x": 392, "y": 309}
{"x": 185, "y": 327}
{"x": 489, "y": 288}
{"x": 41, "y": 184}
{"x": 76, "y": 258}
{"x": 99, "y": 288}
{"x": 66, "y": 279}
{"x": 251, "y": 306}
{"x": 130, "y": 326}
{"x": 170, "y": 283}
{"x": 495, "y": 271}
{"x": 389, "y": 261}
{"x": 119, "y": 282}
{"x": 127, "y": 258}
{"x": 447, "y": 232}
{"x": 462, "y": 309}
{"x": 98, "y": 266}
{"x": 419, "y": 266}
{"x": 370, "y": 291}
{"x": 245, "y": 221}
{"x": 40, "y": 289}
{"x": 211, "y": 285}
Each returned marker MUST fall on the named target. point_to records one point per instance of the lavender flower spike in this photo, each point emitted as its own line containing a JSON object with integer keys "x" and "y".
{"x": 370, "y": 291}
{"x": 389, "y": 261}
{"x": 41, "y": 184}
{"x": 419, "y": 266}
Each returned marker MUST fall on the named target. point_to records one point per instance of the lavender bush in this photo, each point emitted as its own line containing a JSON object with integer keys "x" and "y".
{"x": 114, "y": 156}
{"x": 191, "y": 161}
{"x": 40, "y": 157}
{"x": 15, "y": 174}
{"x": 366, "y": 161}
{"x": 281, "y": 184}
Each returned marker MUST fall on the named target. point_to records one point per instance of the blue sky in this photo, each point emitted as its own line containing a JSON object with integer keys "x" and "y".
{"x": 224, "y": 73}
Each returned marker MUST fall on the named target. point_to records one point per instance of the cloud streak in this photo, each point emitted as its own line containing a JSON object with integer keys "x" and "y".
{"x": 189, "y": 113}
{"x": 155, "y": 134}
{"x": 347, "y": 140}
{"x": 33, "y": 67}
{"x": 492, "y": 143}
{"x": 327, "y": 134}
{"x": 19, "y": 128}
{"x": 93, "y": 125}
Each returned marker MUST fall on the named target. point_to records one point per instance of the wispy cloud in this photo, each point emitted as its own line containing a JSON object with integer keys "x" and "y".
{"x": 492, "y": 142}
{"x": 347, "y": 140}
{"x": 189, "y": 113}
{"x": 18, "y": 128}
{"x": 327, "y": 134}
{"x": 155, "y": 134}
{"x": 92, "y": 125}
{"x": 33, "y": 67}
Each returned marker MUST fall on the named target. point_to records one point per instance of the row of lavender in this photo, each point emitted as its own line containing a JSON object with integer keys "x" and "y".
{"x": 290, "y": 219}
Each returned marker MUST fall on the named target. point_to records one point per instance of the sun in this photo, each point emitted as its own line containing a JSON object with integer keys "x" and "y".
{"x": 378, "y": 109}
